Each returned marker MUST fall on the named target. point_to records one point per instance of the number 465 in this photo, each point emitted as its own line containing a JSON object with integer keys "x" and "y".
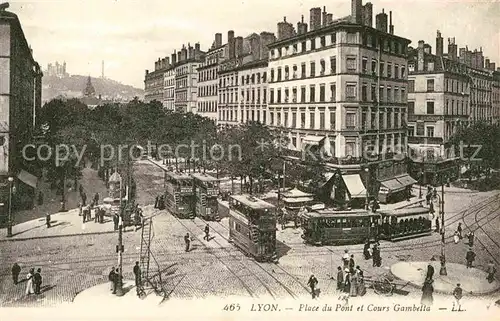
{"x": 232, "y": 307}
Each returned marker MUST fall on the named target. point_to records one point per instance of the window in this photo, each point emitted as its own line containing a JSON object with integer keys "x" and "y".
{"x": 350, "y": 91}
{"x": 322, "y": 65}
{"x": 396, "y": 71}
{"x": 311, "y": 120}
{"x": 349, "y": 149}
{"x": 313, "y": 44}
{"x": 322, "y": 120}
{"x": 350, "y": 120}
{"x": 278, "y": 114}
{"x": 403, "y": 72}
{"x": 303, "y": 46}
{"x": 303, "y": 70}
{"x": 286, "y": 119}
{"x": 334, "y": 38}
{"x": 264, "y": 96}
{"x": 430, "y": 85}
{"x": 374, "y": 67}
{"x": 374, "y": 92}
{"x": 389, "y": 94}
{"x": 313, "y": 69}
{"x": 294, "y": 120}
{"x": 351, "y": 64}
{"x": 302, "y": 120}
{"x": 303, "y": 94}
{"x": 430, "y": 131}
{"x": 312, "y": 93}
{"x": 278, "y": 98}
{"x": 430, "y": 107}
{"x": 333, "y": 65}
{"x": 272, "y": 76}
{"x": 381, "y": 71}
{"x": 332, "y": 120}
{"x": 271, "y": 96}
{"x": 411, "y": 86}
{"x": 322, "y": 92}
{"x": 333, "y": 92}
{"x": 420, "y": 129}
{"x": 364, "y": 92}
{"x": 351, "y": 37}
{"x": 271, "y": 115}
{"x": 323, "y": 41}
{"x": 364, "y": 65}
{"x": 279, "y": 74}
{"x": 389, "y": 70}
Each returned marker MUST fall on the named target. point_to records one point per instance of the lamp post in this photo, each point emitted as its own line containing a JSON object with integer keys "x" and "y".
{"x": 9, "y": 223}
{"x": 420, "y": 175}
{"x": 367, "y": 202}
{"x": 119, "y": 247}
{"x": 63, "y": 190}
{"x": 442, "y": 270}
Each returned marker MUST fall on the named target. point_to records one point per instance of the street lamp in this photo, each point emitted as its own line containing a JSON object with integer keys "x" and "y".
{"x": 442, "y": 270}
{"x": 119, "y": 247}
{"x": 367, "y": 203}
{"x": 63, "y": 191}
{"x": 420, "y": 175}
{"x": 9, "y": 226}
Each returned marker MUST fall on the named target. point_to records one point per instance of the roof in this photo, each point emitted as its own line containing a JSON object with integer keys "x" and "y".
{"x": 296, "y": 193}
{"x": 406, "y": 211}
{"x": 9, "y": 16}
{"x": 178, "y": 175}
{"x": 204, "y": 177}
{"x": 328, "y": 213}
{"x": 252, "y": 202}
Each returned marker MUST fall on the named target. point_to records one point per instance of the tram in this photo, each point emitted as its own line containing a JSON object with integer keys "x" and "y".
{"x": 405, "y": 223}
{"x": 329, "y": 227}
{"x": 252, "y": 227}
{"x": 206, "y": 192}
{"x": 179, "y": 194}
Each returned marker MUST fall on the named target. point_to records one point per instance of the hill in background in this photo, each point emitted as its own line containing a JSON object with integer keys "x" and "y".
{"x": 73, "y": 86}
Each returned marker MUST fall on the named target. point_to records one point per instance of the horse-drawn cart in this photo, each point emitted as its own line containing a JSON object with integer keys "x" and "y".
{"x": 386, "y": 284}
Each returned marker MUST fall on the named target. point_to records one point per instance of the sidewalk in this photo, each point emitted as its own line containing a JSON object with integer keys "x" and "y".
{"x": 472, "y": 281}
{"x": 52, "y": 203}
{"x": 65, "y": 224}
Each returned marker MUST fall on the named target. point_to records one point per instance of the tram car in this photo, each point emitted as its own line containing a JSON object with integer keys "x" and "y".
{"x": 206, "y": 192}
{"x": 405, "y": 223}
{"x": 179, "y": 194}
{"x": 252, "y": 227}
{"x": 329, "y": 227}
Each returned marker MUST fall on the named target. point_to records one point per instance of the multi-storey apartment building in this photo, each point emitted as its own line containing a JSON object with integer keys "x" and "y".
{"x": 186, "y": 78}
{"x": 208, "y": 78}
{"x": 20, "y": 100}
{"x": 445, "y": 92}
{"x": 245, "y": 93}
{"x": 154, "y": 81}
{"x": 342, "y": 86}
{"x": 169, "y": 89}
{"x": 228, "y": 81}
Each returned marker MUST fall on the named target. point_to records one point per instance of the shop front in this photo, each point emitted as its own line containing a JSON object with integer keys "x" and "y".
{"x": 395, "y": 189}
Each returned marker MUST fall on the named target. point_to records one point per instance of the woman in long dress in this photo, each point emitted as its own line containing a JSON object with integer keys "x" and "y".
{"x": 29, "y": 283}
{"x": 361, "y": 289}
{"x": 353, "y": 291}
{"x": 347, "y": 281}
{"x": 456, "y": 238}
{"x": 427, "y": 291}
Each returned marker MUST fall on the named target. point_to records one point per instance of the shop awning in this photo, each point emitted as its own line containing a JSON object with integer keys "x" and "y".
{"x": 406, "y": 180}
{"x": 312, "y": 140}
{"x": 354, "y": 185}
{"x": 298, "y": 200}
{"x": 27, "y": 178}
{"x": 393, "y": 185}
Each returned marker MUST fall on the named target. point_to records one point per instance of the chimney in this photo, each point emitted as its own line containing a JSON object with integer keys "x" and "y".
{"x": 174, "y": 58}
{"x": 179, "y": 56}
{"x": 381, "y": 21}
{"x": 255, "y": 47}
{"x": 190, "y": 52}
{"x": 420, "y": 55}
{"x": 487, "y": 63}
{"x": 452, "y": 49}
{"x": 167, "y": 62}
{"x": 439, "y": 44}
{"x": 238, "y": 47}
{"x": 368, "y": 14}
{"x": 147, "y": 72}
{"x": 391, "y": 26}
{"x": 492, "y": 66}
{"x": 323, "y": 17}
{"x": 315, "y": 18}
{"x": 329, "y": 19}
{"x": 356, "y": 11}
{"x": 184, "y": 53}
{"x": 230, "y": 43}
{"x": 218, "y": 40}
{"x": 266, "y": 38}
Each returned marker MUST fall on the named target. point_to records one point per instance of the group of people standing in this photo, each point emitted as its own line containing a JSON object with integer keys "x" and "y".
{"x": 350, "y": 277}
{"x": 86, "y": 210}
{"x": 33, "y": 279}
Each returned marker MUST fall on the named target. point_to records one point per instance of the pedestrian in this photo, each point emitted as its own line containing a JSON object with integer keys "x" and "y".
{"x": 80, "y": 208}
{"x": 351, "y": 263}
{"x": 47, "y": 220}
{"x": 345, "y": 258}
{"x": 470, "y": 257}
{"x": 115, "y": 221}
{"x": 111, "y": 278}
{"x": 457, "y": 294}
{"x": 459, "y": 230}
{"x": 84, "y": 198}
{"x": 96, "y": 213}
{"x": 137, "y": 274}
{"x": 347, "y": 281}
{"x": 427, "y": 291}
{"x": 431, "y": 208}
{"x": 361, "y": 289}
{"x": 156, "y": 201}
{"x": 16, "y": 270}
{"x": 101, "y": 215}
{"x": 312, "y": 284}
{"x": 491, "y": 270}
{"x": 37, "y": 280}
{"x": 377, "y": 260}
{"x": 471, "y": 239}
{"x": 437, "y": 225}
{"x": 434, "y": 193}
{"x": 430, "y": 272}
{"x": 80, "y": 189}
{"x": 187, "y": 240}
{"x": 207, "y": 233}
{"x": 340, "y": 279}
{"x": 29, "y": 283}
{"x": 96, "y": 198}
{"x": 366, "y": 250}
{"x": 456, "y": 237}
{"x": 117, "y": 280}
{"x": 354, "y": 283}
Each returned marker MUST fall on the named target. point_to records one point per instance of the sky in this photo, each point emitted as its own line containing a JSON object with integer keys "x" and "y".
{"x": 130, "y": 35}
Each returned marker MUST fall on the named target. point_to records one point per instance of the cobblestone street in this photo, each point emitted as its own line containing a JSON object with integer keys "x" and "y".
{"x": 72, "y": 264}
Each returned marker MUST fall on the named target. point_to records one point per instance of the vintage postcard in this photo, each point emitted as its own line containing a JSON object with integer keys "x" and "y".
{"x": 234, "y": 160}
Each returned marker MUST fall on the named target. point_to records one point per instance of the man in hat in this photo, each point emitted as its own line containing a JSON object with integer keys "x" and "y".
{"x": 207, "y": 233}
{"x": 312, "y": 284}
{"x": 111, "y": 279}
{"x": 137, "y": 274}
{"x": 187, "y": 241}
{"x": 430, "y": 272}
{"x": 340, "y": 279}
{"x": 457, "y": 294}
{"x": 16, "y": 270}
{"x": 470, "y": 257}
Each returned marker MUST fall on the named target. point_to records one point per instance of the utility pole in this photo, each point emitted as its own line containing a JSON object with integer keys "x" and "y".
{"x": 9, "y": 226}
{"x": 119, "y": 247}
{"x": 442, "y": 271}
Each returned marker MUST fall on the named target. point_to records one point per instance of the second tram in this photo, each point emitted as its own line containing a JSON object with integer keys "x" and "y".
{"x": 405, "y": 223}
{"x": 179, "y": 194}
{"x": 206, "y": 192}
{"x": 252, "y": 227}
